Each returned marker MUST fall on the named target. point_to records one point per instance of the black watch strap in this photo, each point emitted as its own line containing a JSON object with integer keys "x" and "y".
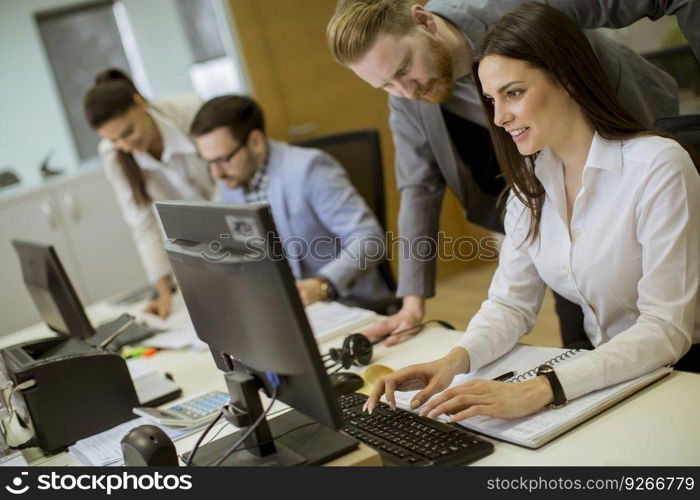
{"x": 557, "y": 390}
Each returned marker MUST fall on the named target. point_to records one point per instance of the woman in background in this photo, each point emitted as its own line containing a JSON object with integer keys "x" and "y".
{"x": 605, "y": 213}
{"x": 148, "y": 157}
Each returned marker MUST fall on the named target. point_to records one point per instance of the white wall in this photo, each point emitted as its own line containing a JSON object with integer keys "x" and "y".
{"x": 31, "y": 115}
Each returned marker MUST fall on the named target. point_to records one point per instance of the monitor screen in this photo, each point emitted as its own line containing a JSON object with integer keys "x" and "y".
{"x": 51, "y": 290}
{"x": 242, "y": 298}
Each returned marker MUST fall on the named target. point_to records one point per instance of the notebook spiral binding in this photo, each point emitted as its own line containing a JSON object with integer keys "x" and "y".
{"x": 554, "y": 361}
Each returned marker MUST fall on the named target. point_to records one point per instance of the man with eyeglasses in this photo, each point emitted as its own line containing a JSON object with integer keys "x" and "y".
{"x": 331, "y": 238}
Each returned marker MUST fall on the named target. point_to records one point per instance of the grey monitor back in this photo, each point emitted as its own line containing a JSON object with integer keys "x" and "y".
{"x": 51, "y": 290}
{"x": 242, "y": 298}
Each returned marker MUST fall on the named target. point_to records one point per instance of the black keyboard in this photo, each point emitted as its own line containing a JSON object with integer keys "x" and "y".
{"x": 404, "y": 438}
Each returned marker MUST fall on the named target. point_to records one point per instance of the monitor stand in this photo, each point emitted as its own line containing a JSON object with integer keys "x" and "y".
{"x": 287, "y": 440}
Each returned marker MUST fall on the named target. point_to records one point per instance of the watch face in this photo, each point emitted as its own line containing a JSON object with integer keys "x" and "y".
{"x": 545, "y": 369}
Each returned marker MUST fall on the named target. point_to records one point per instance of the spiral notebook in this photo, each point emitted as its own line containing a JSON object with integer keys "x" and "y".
{"x": 541, "y": 427}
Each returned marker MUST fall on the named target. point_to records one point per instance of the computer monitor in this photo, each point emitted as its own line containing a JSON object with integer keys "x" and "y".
{"x": 51, "y": 290}
{"x": 61, "y": 309}
{"x": 242, "y": 299}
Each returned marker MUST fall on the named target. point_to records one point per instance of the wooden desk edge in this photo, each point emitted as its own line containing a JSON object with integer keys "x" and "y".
{"x": 363, "y": 456}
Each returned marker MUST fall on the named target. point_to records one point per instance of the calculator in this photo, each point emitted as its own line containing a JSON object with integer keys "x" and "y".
{"x": 189, "y": 413}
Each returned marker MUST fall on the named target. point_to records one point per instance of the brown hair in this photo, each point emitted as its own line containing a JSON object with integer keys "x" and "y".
{"x": 240, "y": 114}
{"x": 356, "y": 23}
{"x": 113, "y": 95}
{"x": 546, "y": 38}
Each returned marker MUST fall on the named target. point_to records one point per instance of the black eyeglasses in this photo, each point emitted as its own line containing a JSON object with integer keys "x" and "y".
{"x": 221, "y": 161}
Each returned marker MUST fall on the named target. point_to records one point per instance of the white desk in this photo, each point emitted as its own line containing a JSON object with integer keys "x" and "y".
{"x": 657, "y": 426}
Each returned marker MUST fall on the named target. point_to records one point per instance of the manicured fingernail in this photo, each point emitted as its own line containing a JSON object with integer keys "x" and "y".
{"x": 415, "y": 404}
{"x": 364, "y": 407}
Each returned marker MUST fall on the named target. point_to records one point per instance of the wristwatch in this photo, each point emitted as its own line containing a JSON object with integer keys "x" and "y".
{"x": 559, "y": 397}
{"x": 328, "y": 291}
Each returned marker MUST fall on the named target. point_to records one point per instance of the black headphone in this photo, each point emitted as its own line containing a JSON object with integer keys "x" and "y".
{"x": 357, "y": 349}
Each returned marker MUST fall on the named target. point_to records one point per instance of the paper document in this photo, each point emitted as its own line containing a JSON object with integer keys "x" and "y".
{"x": 541, "y": 427}
{"x": 331, "y": 319}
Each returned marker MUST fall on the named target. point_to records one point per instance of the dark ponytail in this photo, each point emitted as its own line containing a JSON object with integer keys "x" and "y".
{"x": 113, "y": 95}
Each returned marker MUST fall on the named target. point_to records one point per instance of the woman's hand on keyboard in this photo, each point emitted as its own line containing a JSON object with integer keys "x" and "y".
{"x": 431, "y": 377}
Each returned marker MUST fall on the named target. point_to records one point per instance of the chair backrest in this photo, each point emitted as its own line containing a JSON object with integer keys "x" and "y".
{"x": 685, "y": 127}
{"x": 360, "y": 153}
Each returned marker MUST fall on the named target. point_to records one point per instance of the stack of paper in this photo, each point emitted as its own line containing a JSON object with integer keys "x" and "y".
{"x": 331, "y": 319}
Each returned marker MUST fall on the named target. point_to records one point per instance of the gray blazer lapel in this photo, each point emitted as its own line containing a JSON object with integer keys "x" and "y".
{"x": 442, "y": 148}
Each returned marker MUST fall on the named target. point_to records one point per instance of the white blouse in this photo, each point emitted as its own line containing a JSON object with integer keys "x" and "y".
{"x": 179, "y": 175}
{"x": 631, "y": 261}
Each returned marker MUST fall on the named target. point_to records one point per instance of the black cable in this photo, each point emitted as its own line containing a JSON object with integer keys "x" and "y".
{"x": 275, "y": 437}
{"x": 249, "y": 431}
{"x": 32, "y": 442}
{"x": 201, "y": 437}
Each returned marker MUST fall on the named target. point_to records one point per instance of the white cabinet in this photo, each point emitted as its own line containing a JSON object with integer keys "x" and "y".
{"x": 80, "y": 217}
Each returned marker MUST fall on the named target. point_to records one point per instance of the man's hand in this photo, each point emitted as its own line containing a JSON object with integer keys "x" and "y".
{"x": 431, "y": 377}
{"x": 162, "y": 304}
{"x": 310, "y": 290}
{"x": 410, "y": 315}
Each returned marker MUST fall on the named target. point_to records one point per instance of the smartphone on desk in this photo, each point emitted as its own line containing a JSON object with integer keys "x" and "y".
{"x": 192, "y": 412}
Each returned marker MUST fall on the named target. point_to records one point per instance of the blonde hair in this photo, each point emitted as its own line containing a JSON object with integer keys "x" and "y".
{"x": 356, "y": 23}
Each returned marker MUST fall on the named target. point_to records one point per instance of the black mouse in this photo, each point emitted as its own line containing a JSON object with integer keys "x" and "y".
{"x": 346, "y": 382}
{"x": 148, "y": 445}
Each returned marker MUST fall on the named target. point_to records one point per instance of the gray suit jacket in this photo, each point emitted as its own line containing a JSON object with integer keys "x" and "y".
{"x": 326, "y": 227}
{"x": 426, "y": 160}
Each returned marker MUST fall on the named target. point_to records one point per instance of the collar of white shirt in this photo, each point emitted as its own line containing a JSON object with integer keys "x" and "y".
{"x": 175, "y": 142}
{"x": 603, "y": 155}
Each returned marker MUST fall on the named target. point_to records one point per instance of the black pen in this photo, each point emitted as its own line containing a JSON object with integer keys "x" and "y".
{"x": 505, "y": 376}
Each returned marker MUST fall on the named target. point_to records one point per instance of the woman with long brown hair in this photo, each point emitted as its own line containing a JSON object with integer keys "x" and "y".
{"x": 147, "y": 156}
{"x": 602, "y": 211}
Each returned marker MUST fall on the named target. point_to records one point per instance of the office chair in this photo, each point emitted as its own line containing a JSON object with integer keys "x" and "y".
{"x": 360, "y": 153}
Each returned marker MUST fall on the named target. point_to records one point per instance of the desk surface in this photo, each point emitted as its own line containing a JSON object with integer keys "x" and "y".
{"x": 656, "y": 426}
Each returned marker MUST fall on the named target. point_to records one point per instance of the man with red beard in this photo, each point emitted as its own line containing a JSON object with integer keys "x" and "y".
{"x": 422, "y": 56}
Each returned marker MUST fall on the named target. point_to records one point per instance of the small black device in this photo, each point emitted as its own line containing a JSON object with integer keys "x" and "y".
{"x": 346, "y": 382}
{"x": 148, "y": 445}
{"x": 406, "y": 439}
{"x": 357, "y": 349}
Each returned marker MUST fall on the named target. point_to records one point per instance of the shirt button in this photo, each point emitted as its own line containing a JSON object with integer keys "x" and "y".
{"x": 576, "y": 234}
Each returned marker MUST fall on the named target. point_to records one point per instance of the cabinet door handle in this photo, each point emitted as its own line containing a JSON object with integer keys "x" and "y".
{"x": 47, "y": 210}
{"x": 71, "y": 207}
{"x": 298, "y": 131}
